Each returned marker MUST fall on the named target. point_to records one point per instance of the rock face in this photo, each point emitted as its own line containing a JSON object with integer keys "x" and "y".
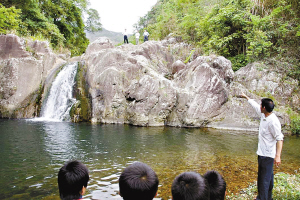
{"x": 131, "y": 84}
{"x": 23, "y": 69}
{"x": 99, "y": 44}
{"x": 270, "y": 82}
{"x": 203, "y": 87}
{"x": 257, "y": 81}
{"x": 143, "y": 85}
{"x": 146, "y": 86}
{"x": 12, "y": 46}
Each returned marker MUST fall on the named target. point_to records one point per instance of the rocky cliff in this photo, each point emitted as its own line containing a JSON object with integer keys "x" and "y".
{"x": 24, "y": 67}
{"x": 145, "y": 85}
{"x": 258, "y": 80}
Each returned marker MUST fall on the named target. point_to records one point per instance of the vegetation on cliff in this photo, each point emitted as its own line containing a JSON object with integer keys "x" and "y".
{"x": 59, "y": 22}
{"x": 81, "y": 110}
{"x": 241, "y": 30}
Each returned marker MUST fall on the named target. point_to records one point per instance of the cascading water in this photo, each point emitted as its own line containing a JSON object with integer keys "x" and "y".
{"x": 60, "y": 101}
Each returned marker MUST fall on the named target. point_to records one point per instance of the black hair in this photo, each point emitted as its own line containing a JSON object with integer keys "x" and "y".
{"x": 217, "y": 185}
{"x": 71, "y": 178}
{"x": 190, "y": 186}
{"x": 138, "y": 181}
{"x": 268, "y": 104}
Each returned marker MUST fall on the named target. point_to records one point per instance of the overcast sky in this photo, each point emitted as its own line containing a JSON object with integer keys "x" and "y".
{"x": 116, "y": 15}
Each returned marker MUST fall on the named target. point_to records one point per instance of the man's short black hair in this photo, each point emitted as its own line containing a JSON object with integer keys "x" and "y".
{"x": 268, "y": 104}
{"x": 138, "y": 181}
{"x": 217, "y": 185}
{"x": 190, "y": 186}
{"x": 71, "y": 178}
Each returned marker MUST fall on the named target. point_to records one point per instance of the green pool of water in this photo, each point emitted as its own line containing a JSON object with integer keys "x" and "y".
{"x": 31, "y": 153}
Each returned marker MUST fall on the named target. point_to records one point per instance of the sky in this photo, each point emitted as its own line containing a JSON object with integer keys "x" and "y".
{"x": 116, "y": 15}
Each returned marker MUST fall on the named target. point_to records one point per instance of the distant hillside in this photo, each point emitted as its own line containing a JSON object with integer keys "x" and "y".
{"x": 115, "y": 37}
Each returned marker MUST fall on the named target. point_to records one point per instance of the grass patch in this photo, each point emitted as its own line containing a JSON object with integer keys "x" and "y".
{"x": 286, "y": 186}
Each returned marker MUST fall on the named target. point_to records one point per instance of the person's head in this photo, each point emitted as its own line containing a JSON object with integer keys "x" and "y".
{"x": 190, "y": 186}
{"x": 73, "y": 178}
{"x": 268, "y": 104}
{"x": 217, "y": 185}
{"x": 138, "y": 181}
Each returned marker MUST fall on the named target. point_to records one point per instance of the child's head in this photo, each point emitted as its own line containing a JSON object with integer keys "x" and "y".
{"x": 73, "y": 178}
{"x": 138, "y": 181}
{"x": 217, "y": 185}
{"x": 190, "y": 186}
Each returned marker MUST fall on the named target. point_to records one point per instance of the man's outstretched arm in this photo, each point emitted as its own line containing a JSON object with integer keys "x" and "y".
{"x": 255, "y": 105}
{"x": 244, "y": 96}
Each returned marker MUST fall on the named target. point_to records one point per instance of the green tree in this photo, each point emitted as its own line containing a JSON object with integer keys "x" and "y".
{"x": 35, "y": 23}
{"x": 223, "y": 30}
{"x": 59, "y": 21}
{"x": 67, "y": 16}
{"x": 93, "y": 21}
{"x": 9, "y": 19}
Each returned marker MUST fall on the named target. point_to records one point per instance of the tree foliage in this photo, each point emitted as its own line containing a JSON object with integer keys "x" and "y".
{"x": 93, "y": 21}
{"x": 59, "y": 21}
{"x": 9, "y": 19}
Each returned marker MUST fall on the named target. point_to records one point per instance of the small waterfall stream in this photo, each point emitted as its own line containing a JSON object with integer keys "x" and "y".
{"x": 60, "y": 100}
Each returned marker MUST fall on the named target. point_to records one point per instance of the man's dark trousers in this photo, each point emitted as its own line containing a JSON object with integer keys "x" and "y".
{"x": 125, "y": 39}
{"x": 265, "y": 179}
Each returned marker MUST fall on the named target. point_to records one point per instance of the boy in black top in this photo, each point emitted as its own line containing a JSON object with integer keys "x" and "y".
{"x": 73, "y": 178}
{"x": 217, "y": 185}
{"x": 138, "y": 182}
{"x": 190, "y": 186}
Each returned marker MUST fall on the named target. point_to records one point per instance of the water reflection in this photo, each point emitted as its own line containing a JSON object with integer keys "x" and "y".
{"x": 61, "y": 142}
{"x": 32, "y": 153}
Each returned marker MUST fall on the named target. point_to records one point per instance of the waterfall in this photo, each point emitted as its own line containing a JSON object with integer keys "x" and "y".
{"x": 60, "y": 101}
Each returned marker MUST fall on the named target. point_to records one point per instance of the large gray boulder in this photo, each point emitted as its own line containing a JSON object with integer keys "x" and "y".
{"x": 23, "y": 68}
{"x": 257, "y": 81}
{"x": 146, "y": 85}
{"x": 204, "y": 87}
{"x": 131, "y": 84}
{"x": 99, "y": 44}
{"x": 12, "y": 46}
{"x": 269, "y": 81}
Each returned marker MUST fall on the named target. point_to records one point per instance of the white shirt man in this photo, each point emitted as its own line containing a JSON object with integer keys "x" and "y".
{"x": 125, "y": 36}
{"x": 269, "y": 132}
{"x": 146, "y": 35}
{"x": 270, "y": 142}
